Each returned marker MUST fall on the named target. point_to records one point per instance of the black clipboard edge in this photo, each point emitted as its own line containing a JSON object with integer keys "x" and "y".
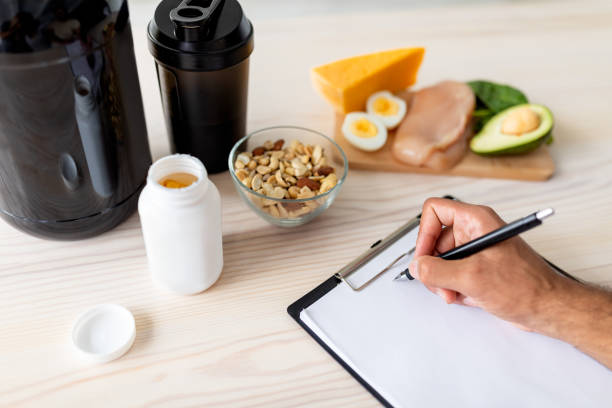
{"x": 321, "y": 290}
{"x": 304, "y": 302}
{"x": 317, "y": 293}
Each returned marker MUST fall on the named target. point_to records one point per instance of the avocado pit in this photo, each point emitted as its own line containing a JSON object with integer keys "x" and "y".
{"x": 520, "y": 121}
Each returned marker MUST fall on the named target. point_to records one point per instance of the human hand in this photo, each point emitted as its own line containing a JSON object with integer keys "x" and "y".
{"x": 509, "y": 280}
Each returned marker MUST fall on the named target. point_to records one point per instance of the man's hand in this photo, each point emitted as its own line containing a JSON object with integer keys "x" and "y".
{"x": 509, "y": 280}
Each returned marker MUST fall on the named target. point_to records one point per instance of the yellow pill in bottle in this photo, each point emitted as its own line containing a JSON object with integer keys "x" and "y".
{"x": 178, "y": 180}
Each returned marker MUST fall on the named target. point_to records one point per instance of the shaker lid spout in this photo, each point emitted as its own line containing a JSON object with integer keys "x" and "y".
{"x": 200, "y": 35}
{"x": 192, "y": 18}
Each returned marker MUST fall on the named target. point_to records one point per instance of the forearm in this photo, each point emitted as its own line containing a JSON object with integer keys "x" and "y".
{"x": 581, "y": 315}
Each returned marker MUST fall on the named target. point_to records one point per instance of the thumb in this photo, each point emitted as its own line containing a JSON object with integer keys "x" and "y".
{"x": 437, "y": 272}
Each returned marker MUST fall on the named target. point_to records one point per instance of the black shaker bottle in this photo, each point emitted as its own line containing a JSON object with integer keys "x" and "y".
{"x": 202, "y": 49}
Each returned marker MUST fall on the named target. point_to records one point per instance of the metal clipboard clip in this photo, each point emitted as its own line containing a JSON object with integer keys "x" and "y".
{"x": 376, "y": 249}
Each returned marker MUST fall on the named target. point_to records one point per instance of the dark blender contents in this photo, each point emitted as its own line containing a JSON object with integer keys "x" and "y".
{"x": 202, "y": 50}
{"x": 73, "y": 143}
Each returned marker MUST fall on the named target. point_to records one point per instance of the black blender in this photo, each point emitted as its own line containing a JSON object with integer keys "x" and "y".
{"x": 73, "y": 142}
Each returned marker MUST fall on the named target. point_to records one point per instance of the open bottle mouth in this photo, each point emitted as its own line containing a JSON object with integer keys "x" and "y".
{"x": 178, "y": 164}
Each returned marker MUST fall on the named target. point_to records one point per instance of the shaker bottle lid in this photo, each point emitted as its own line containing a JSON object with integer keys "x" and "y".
{"x": 105, "y": 332}
{"x": 200, "y": 35}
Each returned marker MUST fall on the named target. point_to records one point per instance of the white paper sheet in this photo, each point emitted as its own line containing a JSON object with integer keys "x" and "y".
{"x": 417, "y": 351}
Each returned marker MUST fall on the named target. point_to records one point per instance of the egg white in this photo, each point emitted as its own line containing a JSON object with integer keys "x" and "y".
{"x": 390, "y": 121}
{"x": 368, "y": 144}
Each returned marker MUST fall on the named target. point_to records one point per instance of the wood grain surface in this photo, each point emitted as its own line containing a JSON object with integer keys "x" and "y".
{"x": 234, "y": 345}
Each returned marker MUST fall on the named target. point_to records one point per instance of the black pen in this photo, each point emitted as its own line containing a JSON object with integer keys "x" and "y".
{"x": 492, "y": 238}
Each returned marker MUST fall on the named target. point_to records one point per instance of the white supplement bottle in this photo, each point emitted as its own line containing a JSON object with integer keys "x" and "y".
{"x": 180, "y": 212}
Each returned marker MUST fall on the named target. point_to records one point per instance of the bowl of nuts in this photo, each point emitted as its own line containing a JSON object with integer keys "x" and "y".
{"x": 288, "y": 175}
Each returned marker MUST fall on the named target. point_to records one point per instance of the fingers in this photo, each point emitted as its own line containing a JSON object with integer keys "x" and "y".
{"x": 466, "y": 301}
{"x": 436, "y": 272}
{"x": 463, "y": 219}
{"x": 445, "y": 242}
{"x": 444, "y": 225}
{"x": 436, "y": 213}
{"x": 449, "y": 296}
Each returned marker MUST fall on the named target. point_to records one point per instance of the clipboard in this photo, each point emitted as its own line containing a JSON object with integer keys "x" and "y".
{"x": 568, "y": 377}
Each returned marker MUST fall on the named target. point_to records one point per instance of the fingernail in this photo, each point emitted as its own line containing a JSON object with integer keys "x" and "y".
{"x": 413, "y": 268}
{"x": 469, "y": 301}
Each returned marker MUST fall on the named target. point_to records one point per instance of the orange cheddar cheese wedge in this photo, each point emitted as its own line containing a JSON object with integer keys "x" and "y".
{"x": 347, "y": 83}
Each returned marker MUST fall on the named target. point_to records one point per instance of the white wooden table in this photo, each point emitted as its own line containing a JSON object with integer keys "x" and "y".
{"x": 234, "y": 345}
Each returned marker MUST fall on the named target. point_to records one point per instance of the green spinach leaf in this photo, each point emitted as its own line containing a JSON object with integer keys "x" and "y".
{"x": 492, "y": 98}
{"x": 497, "y": 97}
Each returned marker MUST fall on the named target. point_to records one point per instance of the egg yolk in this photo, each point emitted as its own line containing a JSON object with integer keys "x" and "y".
{"x": 364, "y": 128}
{"x": 385, "y": 107}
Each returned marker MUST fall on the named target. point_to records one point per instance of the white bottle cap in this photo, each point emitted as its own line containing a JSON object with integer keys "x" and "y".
{"x": 104, "y": 332}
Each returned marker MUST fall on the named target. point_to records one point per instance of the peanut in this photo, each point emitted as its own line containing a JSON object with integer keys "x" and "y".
{"x": 297, "y": 171}
{"x": 263, "y": 169}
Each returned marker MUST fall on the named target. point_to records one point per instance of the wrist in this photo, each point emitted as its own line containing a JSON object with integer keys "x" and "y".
{"x": 560, "y": 309}
{"x": 577, "y": 314}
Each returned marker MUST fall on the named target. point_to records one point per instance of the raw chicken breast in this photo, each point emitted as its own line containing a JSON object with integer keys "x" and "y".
{"x": 434, "y": 133}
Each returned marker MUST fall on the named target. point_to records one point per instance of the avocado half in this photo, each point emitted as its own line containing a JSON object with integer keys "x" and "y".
{"x": 491, "y": 141}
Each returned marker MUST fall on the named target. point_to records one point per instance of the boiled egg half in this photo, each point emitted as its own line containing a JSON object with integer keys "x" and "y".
{"x": 364, "y": 131}
{"x": 387, "y": 107}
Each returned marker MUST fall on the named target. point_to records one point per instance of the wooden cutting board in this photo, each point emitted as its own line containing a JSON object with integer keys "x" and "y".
{"x": 534, "y": 166}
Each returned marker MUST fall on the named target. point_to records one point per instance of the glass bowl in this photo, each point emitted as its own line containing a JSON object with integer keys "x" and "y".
{"x": 287, "y": 212}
